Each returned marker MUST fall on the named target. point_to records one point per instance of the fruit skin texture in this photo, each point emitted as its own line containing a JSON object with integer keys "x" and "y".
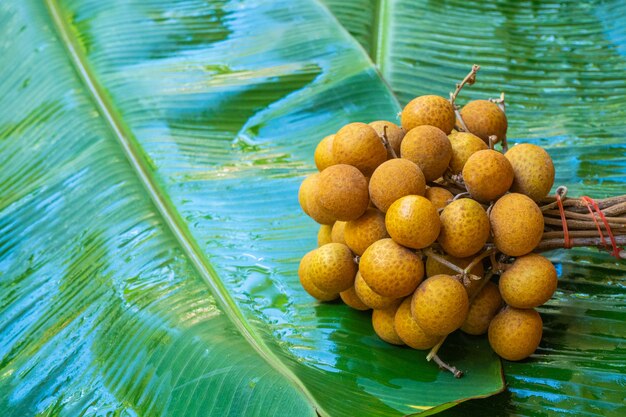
{"x": 533, "y": 168}
{"x": 409, "y": 331}
{"x": 484, "y": 118}
{"x": 529, "y": 282}
{"x": 440, "y": 305}
{"x": 369, "y": 297}
{"x": 429, "y": 147}
{"x": 517, "y": 224}
{"x": 323, "y": 155}
{"x": 307, "y": 283}
{"x": 515, "y": 333}
{"x": 464, "y": 145}
{"x": 464, "y": 228}
{"x": 395, "y": 134}
{"x": 482, "y": 310}
{"x": 352, "y": 300}
{"x": 428, "y": 110}
{"x": 487, "y": 175}
{"x": 342, "y": 191}
{"x": 438, "y": 196}
{"x": 394, "y": 179}
{"x": 359, "y": 234}
{"x": 337, "y": 233}
{"x": 413, "y": 221}
{"x": 359, "y": 145}
{"x": 383, "y": 323}
{"x": 390, "y": 269}
{"x": 308, "y": 199}
{"x": 332, "y": 268}
{"x": 324, "y": 235}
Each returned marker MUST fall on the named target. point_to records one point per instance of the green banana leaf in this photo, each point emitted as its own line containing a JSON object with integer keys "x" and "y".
{"x": 562, "y": 66}
{"x": 150, "y": 234}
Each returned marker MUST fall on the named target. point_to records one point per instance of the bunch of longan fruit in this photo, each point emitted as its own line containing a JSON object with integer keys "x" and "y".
{"x": 416, "y": 222}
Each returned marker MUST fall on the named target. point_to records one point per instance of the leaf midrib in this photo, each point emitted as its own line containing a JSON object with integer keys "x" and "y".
{"x": 377, "y": 46}
{"x": 169, "y": 215}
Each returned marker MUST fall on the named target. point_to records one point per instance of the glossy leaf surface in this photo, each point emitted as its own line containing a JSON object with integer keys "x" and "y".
{"x": 562, "y": 66}
{"x": 150, "y": 234}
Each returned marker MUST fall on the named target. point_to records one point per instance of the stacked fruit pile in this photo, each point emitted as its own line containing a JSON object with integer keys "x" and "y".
{"x": 416, "y": 220}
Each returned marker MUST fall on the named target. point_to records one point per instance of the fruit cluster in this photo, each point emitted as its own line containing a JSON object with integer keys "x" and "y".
{"x": 416, "y": 220}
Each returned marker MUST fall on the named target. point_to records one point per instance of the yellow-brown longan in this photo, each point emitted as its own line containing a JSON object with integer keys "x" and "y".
{"x": 440, "y": 305}
{"x": 332, "y": 268}
{"x": 343, "y": 192}
{"x": 323, "y": 155}
{"x": 350, "y": 298}
{"x": 307, "y": 283}
{"x": 337, "y": 234}
{"x": 464, "y": 145}
{"x": 428, "y": 110}
{"x": 429, "y": 148}
{"x": 517, "y": 224}
{"x": 308, "y": 198}
{"x": 359, "y": 145}
{"x": 488, "y": 175}
{"x": 359, "y": 234}
{"x": 440, "y": 197}
{"x": 409, "y": 331}
{"x": 413, "y": 221}
{"x": 394, "y": 179}
{"x": 324, "y": 234}
{"x": 391, "y": 270}
{"x": 529, "y": 282}
{"x": 482, "y": 310}
{"x": 371, "y": 298}
{"x": 464, "y": 228}
{"x": 484, "y": 118}
{"x": 395, "y": 134}
{"x": 383, "y": 323}
{"x": 533, "y": 168}
{"x": 514, "y": 333}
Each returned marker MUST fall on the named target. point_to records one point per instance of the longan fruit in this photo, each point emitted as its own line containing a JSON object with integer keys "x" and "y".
{"x": 324, "y": 234}
{"x": 307, "y": 283}
{"x": 350, "y": 298}
{"x": 391, "y": 270}
{"x": 337, "y": 234}
{"x": 484, "y": 118}
{"x": 464, "y": 228}
{"x": 332, "y": 268}
{"x": 394, "y": 179}
{"x": 359, "y": 234}
{"x": 514, "y": 334}
{"x": 395, "y": 134}
{"x": 440, "y": 305}
{"x": 488, "y": 175}
{"x": 533, "y": 168}
{"x": 371, "y": 298}
{"x": 517, "y": 224}
{"x": 429, "y": 147}
{"x": 463, "y": 145}
{"x": 342, "y": 191}
{"x": 529, "y": 282}
{"x": 383, "y": 323}
{"x": 413, "y": 221}
{"x": 308, "y": 199}
{"x": 409, "y": 331}
{"x": 482, "y": 310}
{"x": 428, "y": 110}
{"x": 359, "y": 145}
{"x": 323, "y": 155}
{"x": 438, "y": 196}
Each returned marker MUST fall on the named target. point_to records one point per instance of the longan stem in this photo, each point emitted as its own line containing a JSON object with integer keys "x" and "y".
{"x": 385, "y": 140}
{"x": 469, "y": 79}
{"x": 435, "y": 349}
{"x": 550, "y": 244}
{"x": 576, "y": 233}
{"x": 582, "y": 216}
{"x": 431, "y": 254}
{"x": 477, "y": 259}
{"x": 455, "y": 371}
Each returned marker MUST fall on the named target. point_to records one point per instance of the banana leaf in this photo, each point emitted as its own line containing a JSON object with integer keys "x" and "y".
{"x": 150, "y": 156}
{"x": 562, "y": 66}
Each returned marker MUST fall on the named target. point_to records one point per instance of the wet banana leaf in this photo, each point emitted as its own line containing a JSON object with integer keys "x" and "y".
{"x": 562, "y": 66}
{"x": 150, "y": 156}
